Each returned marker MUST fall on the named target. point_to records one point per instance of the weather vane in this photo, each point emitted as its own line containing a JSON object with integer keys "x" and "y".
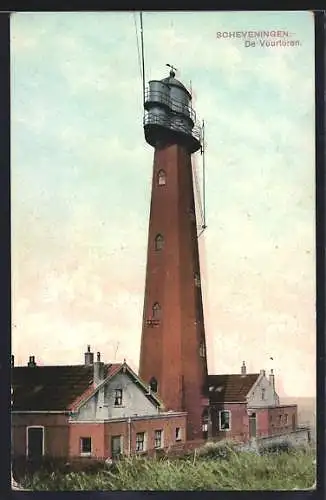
{"x": 173, "y": 69}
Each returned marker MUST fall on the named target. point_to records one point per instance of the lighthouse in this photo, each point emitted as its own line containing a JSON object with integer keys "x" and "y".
{"x": 173, "y": 358}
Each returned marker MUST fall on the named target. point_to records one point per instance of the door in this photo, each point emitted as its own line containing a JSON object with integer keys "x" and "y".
{"x": 35, "y": 442}
{"x": 116, "y": 446}
{"x": 252, "y": 425}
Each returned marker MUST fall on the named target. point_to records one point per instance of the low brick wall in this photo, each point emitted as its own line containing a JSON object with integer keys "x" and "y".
{"x": 297, "y": 438}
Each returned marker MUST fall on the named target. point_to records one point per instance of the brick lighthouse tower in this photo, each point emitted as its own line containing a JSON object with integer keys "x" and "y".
{"x": 173, "y": 348}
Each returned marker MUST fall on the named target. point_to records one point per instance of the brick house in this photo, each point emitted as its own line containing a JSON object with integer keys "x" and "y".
{"x": 244, "y": 405}
{"x": 92, "y": 410}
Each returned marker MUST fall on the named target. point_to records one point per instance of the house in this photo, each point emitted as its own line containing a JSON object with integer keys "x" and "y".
{"x": 246, "y": 405}
{"x": 92, "y": 410}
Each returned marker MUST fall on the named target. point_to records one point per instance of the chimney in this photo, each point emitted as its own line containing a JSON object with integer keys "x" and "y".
{"x": 31, "y": 363}
{"x": 89, "y": 356}
{"x": 263, "y": 372}
{"x": 272, "y": 380}
{"x": 243, "y": 368}
{"x": 12, "y": 360}
{"x": 98, "y": 370}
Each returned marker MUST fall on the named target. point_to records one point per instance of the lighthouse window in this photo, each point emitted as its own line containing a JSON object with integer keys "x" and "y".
{"x": 202, "y": 350}
{"x": 161, "y": 178}
{"x": 156, "y": 311}
{"x": 153, "y": 384}
{"x": 159, "y": 242}
{"x": 197, "y": 280}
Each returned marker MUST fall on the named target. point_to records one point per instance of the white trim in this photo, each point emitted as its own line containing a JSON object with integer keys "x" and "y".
{"x": 126, "y": 369}
{"x": 43, "y": 437}
{"x": 133, "y": 417}
{"x": 161, "y": 441}
{"x": 144, "y": 441}
{"x": 178, "y": 436}
{"x": 219, "y": 420}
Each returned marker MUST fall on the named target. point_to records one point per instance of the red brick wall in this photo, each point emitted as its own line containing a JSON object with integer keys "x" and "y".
{"x": 170, "y": 350}
{"x": 55, "y": 433}
{"x": 239, "y": 421}
{"x": 262, "y": 422}
{"x": 277, "y": 418}
{"x": 93, "y": 430}
{"x": 102, "y": 433}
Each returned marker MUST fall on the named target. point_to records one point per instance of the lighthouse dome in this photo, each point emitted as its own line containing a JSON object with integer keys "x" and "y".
{"x": 173, "y": 82}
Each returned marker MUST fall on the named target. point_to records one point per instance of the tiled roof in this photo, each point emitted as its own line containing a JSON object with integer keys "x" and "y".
{"x": 52, "y": 388}
{"x": 230, "y": 388}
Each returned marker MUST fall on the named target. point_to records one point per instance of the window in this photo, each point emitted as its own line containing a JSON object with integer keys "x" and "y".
{"x": 158, "y": 439}
{"x": 286, "y": 419}
{"x": 280, "y": 419}
{"x": 161, "y": 178}
{"x": 85, "y": 445}
{"x": 159, "y": 242}
{"x": 118, "y": 397}
{"x": 263, "y": 394}
{"x": 178, "y": 434}
{"x": 197, "y": 280}
{"x": 202, "y": 350}
{"x": 153, "y": 384}
{"x": 225, "y": 420}
{"x": 140, "y": 441}
{"x": 156, "y": 311}
{"x": 205, "y": 420}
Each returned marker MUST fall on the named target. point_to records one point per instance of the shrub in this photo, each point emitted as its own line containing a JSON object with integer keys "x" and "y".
{"x": 239, "y": 471}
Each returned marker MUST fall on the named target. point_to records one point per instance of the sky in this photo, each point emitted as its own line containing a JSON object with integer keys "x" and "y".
{"x": 81, "y": 179}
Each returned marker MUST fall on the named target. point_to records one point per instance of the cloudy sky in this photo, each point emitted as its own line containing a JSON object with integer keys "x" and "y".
{"x": 81, "y": 177}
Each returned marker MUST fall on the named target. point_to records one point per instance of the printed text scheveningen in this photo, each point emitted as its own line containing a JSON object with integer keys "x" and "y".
{"x": 253, "y": 34}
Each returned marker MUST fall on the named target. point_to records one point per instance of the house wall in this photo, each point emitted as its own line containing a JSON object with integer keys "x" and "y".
{"x": 277, "y": 418}
{"x": 93, "y": 430}
{"x": 56, "y": 433}
{"x": 255, "y": 395}
{"x": 239, "y": 421}
{"x": 101, "y": 405}
{"x": 102, "y": 433}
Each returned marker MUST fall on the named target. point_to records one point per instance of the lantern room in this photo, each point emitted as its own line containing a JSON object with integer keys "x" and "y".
{"x": 169, "y": 116}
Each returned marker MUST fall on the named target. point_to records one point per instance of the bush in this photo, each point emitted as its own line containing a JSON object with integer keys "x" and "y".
{"x": 219, "y": 450}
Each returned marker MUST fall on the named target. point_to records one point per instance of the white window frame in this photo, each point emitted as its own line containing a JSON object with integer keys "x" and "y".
{"x": 43, "y": 436}
{"x": 161, "y": 439}
{"x": 178, "y": 435}
{"x": 85, "y": 453}
{"x": 118, "y": 389}
{"x": 220, "y": 420}
{"x": 144, "y": 442}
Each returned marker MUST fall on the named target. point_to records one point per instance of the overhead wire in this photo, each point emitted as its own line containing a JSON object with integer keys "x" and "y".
{"x": 138, "y": 47}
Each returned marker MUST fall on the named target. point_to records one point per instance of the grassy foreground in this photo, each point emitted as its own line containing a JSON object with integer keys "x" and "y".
{"x": 212, "y": 468}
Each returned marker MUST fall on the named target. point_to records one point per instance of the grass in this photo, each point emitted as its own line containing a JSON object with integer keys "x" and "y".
{"x": 214, "y": 467}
